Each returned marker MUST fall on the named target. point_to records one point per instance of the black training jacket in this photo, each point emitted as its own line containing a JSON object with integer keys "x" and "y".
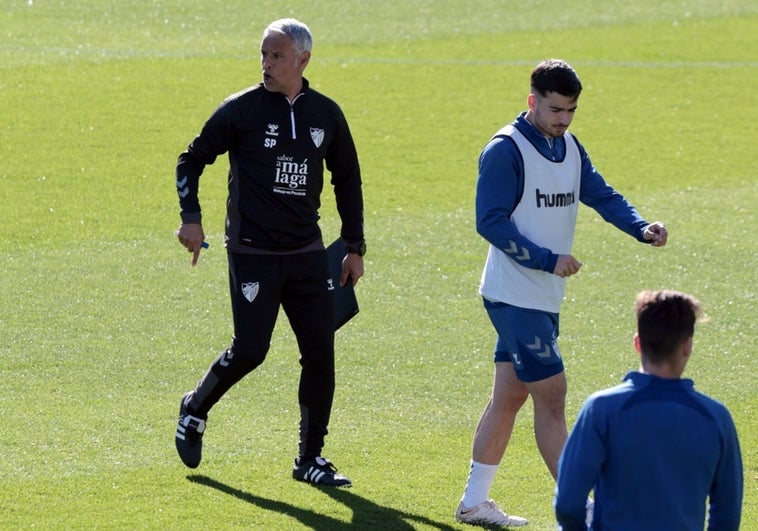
{"x": 277, "y": 152}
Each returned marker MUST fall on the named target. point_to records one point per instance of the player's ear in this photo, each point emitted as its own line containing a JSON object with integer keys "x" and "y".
{"x": 687, "y": 347}
{"x": 531, "y": 101}
{"x": 637, "y": 346}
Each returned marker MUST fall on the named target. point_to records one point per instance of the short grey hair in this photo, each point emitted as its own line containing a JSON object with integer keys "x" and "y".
{"x": 295, "y": 30}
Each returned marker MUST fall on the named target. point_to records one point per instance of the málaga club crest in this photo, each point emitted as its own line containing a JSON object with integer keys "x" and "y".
{"x": 317, "y": 135}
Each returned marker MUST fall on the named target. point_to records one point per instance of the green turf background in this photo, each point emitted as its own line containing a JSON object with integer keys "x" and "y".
{"x": 105, "y": 325}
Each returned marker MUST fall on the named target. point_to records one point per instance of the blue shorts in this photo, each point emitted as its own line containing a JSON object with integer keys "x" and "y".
{"x": 526, "y": 338}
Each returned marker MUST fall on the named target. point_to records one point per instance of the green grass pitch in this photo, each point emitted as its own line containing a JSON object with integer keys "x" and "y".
{"x": 104, "y": 325}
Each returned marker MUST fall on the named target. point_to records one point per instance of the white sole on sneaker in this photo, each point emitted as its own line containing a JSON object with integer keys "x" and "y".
{"x": 487, "y": 513}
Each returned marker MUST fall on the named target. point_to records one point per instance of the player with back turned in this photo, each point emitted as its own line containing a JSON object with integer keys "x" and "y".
{"x": 655, "y": 451}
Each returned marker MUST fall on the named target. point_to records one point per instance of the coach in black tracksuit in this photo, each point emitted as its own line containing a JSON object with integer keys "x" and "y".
{"x": 278, "y": 135}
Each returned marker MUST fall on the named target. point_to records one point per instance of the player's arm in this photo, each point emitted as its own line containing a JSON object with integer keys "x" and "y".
{"x": 613, "y": 207}
{"x": 725, "y": 497}
{"x": 578, "y": 468}
{"x": 498, "y": 190}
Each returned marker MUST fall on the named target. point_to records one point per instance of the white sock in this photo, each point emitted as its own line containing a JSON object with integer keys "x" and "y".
{"x": 480, "y": 480}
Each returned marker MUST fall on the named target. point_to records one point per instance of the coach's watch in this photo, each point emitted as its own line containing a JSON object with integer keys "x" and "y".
{"x": 357, "y": 248}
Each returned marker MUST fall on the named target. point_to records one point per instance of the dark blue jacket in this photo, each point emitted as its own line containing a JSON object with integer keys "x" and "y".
{"x": 500, "y": 185}
{"x": 657, "y": 453}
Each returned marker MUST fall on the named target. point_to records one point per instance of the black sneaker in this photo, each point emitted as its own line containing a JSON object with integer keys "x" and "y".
{"x": 319, "y": 471}
{"x": 189, "y": 436}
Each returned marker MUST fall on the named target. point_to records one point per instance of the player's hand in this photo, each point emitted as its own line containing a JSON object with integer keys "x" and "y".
{"x": 191, "y": 236}
{"x": 656, "y": 234}
{"x": 352, "y": 269}
{"x": 566, "y": 266}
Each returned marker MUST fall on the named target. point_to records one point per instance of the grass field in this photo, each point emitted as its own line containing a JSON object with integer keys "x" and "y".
{"x": 105, "y": 325}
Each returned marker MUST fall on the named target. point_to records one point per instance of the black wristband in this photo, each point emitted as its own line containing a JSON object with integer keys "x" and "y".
{"x": 357, "y": 248}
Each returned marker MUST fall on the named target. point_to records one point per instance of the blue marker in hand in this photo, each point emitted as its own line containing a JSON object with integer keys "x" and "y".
{"x": 204, "y": 245}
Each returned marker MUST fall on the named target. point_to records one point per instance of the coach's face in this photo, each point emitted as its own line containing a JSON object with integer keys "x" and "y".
{"x": 551, "y": 114}
{"x": 282, "y": 66}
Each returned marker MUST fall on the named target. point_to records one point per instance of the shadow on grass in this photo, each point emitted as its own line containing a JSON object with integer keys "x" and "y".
{"x": 366, "y": 514}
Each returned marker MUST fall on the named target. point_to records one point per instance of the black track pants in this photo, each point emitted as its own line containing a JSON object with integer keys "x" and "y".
{"x": 259, "y": 285}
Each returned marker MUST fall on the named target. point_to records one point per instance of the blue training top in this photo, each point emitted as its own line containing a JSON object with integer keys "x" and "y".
{"x": 500, "y": 185}
{"x": 654, "y": 450}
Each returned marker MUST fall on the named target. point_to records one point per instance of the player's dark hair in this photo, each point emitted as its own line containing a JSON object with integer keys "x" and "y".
{"x": 665, "y": 320}
{"x": 555, "y": 75}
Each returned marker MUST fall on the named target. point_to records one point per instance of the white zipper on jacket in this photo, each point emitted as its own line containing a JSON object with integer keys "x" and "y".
{"x": 292, "y": 115}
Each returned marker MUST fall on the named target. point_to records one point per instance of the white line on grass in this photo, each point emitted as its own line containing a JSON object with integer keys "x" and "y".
{"x": 62, "y": 53}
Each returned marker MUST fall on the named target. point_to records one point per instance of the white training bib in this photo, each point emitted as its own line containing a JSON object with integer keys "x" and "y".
{"x": 546, "y": 215}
